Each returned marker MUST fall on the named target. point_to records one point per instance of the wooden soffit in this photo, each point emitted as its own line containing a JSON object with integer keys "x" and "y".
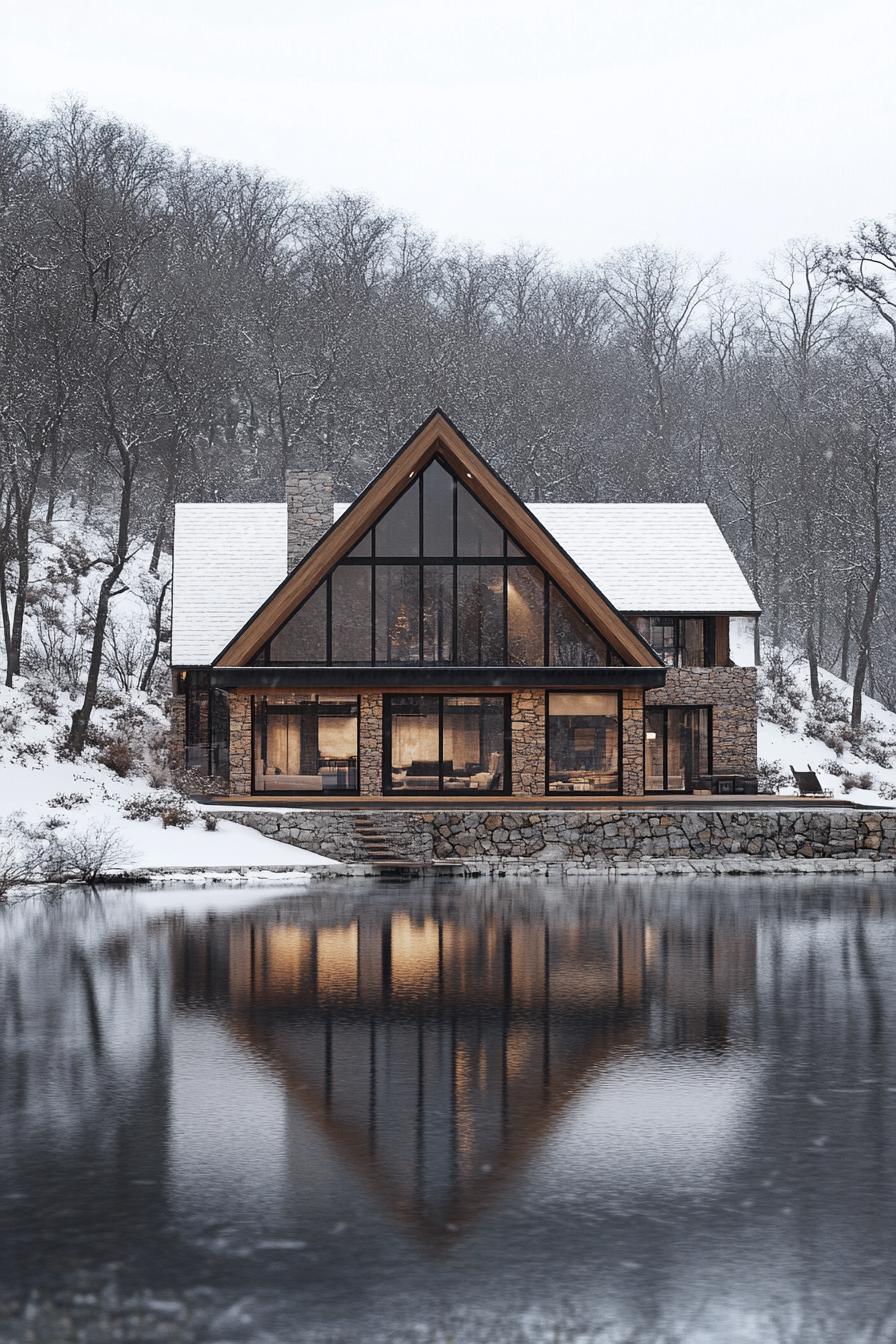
{"x": 437, "y": 436}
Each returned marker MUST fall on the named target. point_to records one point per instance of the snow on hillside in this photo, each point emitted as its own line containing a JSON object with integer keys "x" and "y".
{"x": 42, "y": 790}
{"x": 795, "y": 747}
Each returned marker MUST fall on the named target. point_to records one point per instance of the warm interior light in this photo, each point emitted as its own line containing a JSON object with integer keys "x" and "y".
{"x": 651, "y": 737}
{"x": 469, "y": 475}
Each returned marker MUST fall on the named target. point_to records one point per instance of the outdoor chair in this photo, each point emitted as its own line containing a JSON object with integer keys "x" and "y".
{"x": 808, "y": 783}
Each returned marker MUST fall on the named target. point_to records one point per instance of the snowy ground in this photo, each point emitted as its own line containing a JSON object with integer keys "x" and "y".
{"x": 800, "y": 751}
{"x": 29, "y": 790}
{"x": 36, "y": 713}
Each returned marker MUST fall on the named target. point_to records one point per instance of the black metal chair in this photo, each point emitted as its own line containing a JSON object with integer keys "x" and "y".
{"x": 808, "y": 783}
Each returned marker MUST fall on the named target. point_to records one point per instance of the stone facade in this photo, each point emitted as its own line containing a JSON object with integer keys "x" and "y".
{"x": 633, "y": 740}
{"x": 597, "y": 838}
{"x": 370, "y": 765}
{"x": 527, "y": 742}
{"x": 732, "y": 693}
{"x": 177, "y": 732}
{"x": 240, "y": 742}
{"x": 309, "y": 511}
{"x": 730, "y": 690}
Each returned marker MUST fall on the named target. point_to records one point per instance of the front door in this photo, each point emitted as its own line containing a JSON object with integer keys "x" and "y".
{"x": 678, "y": 748}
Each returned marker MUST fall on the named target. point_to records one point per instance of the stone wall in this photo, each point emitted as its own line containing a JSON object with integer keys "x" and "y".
{"x": 527, "y": 742}
{"x": 177, "y": 732}
{"x": 370, "y": 766}
{"x": 595, "y": 838}
{"x": 408, "y": 834}
{"x": 632, "y": 740}
{"x": 309, "y": 511}
{"x": 732, "y": 693}
{"x": 240, "y": 742}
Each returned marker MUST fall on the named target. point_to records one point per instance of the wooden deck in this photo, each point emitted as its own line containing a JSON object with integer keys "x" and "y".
{"x": 568, "y": 802}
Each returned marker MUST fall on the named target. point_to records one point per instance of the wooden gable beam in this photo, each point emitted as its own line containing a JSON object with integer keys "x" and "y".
{"x": 437, "y": 436}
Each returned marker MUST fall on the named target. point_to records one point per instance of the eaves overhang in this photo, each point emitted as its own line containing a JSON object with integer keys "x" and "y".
{"x": 431, "y": 678}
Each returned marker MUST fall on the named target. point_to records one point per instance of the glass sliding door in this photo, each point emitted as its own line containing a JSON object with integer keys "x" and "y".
{"x": 310, "y": 746}
{"x": 677, "y": 748}
{"x": 446, "y": 743}
{"x": 584, "y": 742}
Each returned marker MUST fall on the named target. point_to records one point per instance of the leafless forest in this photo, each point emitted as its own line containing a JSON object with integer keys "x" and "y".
{"x": 179, "y": 329}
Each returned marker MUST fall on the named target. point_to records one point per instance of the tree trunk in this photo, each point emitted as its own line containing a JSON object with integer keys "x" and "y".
{"x": 77, "y": 737}
{"x": 847, "y": 631}
{"x": 812, "y": 655}
{"x": 872, "y": 594}
{"x": 146, "y": 678}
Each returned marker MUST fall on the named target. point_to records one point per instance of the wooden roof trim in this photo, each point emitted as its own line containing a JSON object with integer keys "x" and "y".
{"x": 437, "y": 436}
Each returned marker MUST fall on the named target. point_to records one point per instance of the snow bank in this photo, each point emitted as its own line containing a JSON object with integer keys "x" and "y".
{"x": 798, "y": 750}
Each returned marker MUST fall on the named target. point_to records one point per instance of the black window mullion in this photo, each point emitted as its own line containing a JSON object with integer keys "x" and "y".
{"x": 666, "y": 749}
{"x": 441, "y": 700}
{"x": 372, "y": 611}
{"x": 547, "y": 621}
{"x": 329, "y": 650}
{"x": 504, "y": 653}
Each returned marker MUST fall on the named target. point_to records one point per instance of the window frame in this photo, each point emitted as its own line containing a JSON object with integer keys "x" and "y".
{"x": 679, "y": 793}
{"x": 583, "y": 793}
{"x": 677, "y": 618}
{"x": 505, "y": 562}
{"x": 302, "y": 793}
{"x": 441, "y": 791}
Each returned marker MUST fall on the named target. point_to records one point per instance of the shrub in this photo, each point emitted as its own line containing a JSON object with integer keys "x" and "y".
{"x": 68, "y": 801}
{"x": 888, "y": 791}
{"x": 850, "y": 779}
{"x": 772, "y": 777}
{"x": 210, "y": 821}
{"x": 171, "y": 808}
{"x": 779, "y": 694}
{"x": 87, "y": 852}
{"x": 828, "y": 719}
{"x": 868, "y": 741}
{"x": 117, "y": 754}
{"x": 196, "y": 785}
{"x": 17, "y": 861}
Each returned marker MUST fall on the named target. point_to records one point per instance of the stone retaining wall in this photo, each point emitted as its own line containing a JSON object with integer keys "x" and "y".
{"x": 595, "y": 838}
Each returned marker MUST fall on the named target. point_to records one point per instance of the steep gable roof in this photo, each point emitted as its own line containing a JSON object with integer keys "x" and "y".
{"x": 437, "y": 435}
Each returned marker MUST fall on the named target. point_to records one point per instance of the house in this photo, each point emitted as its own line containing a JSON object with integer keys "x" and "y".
{"x": 438, "y": 636}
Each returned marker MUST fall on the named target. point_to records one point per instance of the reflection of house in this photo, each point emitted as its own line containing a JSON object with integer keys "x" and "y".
{"x": 436, "y": 1050}
{"x": 442, "y": 637}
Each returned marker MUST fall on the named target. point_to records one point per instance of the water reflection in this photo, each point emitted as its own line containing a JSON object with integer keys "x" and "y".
{"x": 436, "y": 1046}
{"x": 484, "y": 1099}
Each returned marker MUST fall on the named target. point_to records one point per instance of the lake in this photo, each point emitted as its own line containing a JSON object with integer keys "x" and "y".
{"x": 450, "y": 1111}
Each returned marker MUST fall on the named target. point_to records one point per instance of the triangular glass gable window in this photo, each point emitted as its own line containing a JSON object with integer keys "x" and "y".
{"x": 438, "y": 581}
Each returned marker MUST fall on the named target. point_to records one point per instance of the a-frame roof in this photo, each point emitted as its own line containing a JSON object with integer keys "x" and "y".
{"x": 438, "y": 436}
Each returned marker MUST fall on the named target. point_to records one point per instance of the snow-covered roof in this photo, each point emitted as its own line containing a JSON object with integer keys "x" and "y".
{"x": 227, "y": 559}
{"x": 644, "y": 557}
{"x": 652, "y": 557}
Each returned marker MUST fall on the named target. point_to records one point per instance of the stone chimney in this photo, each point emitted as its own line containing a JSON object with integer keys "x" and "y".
{"x": 309, "y": 511}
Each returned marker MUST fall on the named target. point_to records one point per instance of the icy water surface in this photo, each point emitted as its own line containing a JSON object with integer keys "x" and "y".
{"x": 451, "y": 1113}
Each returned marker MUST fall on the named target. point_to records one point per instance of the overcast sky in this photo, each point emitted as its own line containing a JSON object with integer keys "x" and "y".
{"x": 727, "y": 126}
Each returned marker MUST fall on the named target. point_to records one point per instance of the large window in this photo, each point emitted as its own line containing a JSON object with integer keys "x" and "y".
{"x": 438, "y": 581}
{"x": 677, "y": 748}
{"x": 305, "y": 747}
{"x": 584, "y": 742}
{"x": 681, "y": 641}
{"x": 207, "y": 745}
{"x": 446, "y": 743}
